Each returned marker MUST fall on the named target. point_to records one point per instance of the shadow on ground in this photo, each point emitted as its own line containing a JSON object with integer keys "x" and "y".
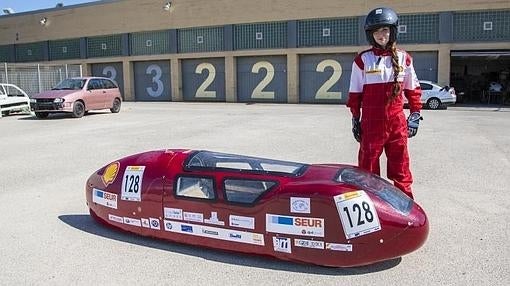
{"x": 86, "y": 223}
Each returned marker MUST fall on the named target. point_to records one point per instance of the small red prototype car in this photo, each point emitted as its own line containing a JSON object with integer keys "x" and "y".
{"x": 325, "y": 214}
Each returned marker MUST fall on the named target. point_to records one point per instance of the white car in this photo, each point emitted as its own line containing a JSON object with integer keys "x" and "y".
{"x": 434, "y": 96}
{"x": 13, "y": 98}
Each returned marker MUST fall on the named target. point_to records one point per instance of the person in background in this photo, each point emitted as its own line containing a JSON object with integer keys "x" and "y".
{"x": 380, "y": 77}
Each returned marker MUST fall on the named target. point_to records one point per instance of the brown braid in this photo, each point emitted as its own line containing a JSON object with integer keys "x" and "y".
{"x": 396, "y": 70}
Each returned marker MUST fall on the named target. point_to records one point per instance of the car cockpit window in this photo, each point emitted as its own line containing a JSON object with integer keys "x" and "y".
{"x": 245, "y": 191}
{"x": 215, "y": 160}
{"x": 195, "y": 187}
{"x": 425, "y": 86}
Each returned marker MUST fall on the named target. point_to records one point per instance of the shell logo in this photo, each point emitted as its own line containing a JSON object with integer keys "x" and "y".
{"x": 110, "y": 173}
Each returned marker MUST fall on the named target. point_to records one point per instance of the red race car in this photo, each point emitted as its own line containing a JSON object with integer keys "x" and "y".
{"x": 325, "y": 214}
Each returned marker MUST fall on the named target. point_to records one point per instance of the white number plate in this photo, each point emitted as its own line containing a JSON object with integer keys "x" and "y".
{"x": 132, "y": 183}
{"x": 357, "y": 213}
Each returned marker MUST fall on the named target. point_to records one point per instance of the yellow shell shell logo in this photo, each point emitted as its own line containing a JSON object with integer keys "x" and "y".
{"x": 110, "y": 173}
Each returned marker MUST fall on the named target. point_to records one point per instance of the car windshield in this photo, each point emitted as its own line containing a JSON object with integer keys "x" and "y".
{"x": 214, "y": 160}
{"x": 70, "y": 84}
{"x": 377, "y": 186}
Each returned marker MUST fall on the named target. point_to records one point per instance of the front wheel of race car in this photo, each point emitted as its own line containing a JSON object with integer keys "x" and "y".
{"x": 116, "y": 106}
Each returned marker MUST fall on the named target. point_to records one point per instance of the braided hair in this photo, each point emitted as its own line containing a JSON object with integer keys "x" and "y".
{"x": 396, "y": 70}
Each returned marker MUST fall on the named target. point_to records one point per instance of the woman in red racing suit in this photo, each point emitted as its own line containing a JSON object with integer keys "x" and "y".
{"x": 379, "y": 77}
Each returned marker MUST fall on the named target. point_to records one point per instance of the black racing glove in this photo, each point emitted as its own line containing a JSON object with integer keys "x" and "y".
{"x": 413, "y": 122}
{"x": 356, "y": 129}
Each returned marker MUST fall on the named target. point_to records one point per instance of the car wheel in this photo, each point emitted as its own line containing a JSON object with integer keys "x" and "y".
{"x": 78, "y": 109}
{"x": 116, "y": 106}
{"x": 433, "y": 103}
{"x": 41, "y": 115}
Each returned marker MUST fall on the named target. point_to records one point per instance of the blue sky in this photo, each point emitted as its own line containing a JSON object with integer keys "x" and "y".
{"x": 31, "y": 5}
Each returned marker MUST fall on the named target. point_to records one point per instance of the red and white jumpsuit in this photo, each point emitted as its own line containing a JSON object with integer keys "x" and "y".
{"x": 383, "y": 122}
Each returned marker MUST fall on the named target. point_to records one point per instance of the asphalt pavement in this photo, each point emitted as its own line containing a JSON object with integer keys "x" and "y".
{"x": 460, "y": 161}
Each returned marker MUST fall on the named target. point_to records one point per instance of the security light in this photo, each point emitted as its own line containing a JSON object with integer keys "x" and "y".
{"x": 43, "y": 21}
{"x": 167, "y": 6}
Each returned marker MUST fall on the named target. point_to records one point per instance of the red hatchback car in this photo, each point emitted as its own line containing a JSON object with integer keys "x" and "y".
{"x": 325, "y": 214}
{"x": 78, "y": 96}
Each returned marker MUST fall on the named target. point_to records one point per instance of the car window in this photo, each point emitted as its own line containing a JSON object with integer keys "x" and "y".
{"x": 195, "y": 187}
{"x": 215, "y": 160}
{"x": 95, "y": 84}
{"x": 2, "y": 92}
{"x": 245, "y": 191}
{"x": 425, "y": 86}
{"x": 108, "y": 84}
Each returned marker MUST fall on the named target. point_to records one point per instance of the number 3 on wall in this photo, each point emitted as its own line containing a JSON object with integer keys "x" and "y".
{"x": 201, "y": 91}
{"x": 323, "y": 92}
{"x": 258, "y": 91}
{"x": 155, "y": 79}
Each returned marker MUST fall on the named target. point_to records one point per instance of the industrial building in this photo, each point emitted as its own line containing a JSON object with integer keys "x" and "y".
{"x": 283, "y": 51}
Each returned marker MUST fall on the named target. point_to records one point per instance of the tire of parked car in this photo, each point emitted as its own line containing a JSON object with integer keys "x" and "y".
{"x": 433, "y": 103}
{"x": 78, "y": 109}
{"x": 41, "y": 115}
{"x": 116, "y": 106}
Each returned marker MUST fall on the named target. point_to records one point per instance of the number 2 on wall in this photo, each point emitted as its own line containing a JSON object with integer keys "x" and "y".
{"x": 258, "y": 91}
{"x": 201, "y": 91}
{"x": 323, "y": 92}
{"x": 110, "y": 72}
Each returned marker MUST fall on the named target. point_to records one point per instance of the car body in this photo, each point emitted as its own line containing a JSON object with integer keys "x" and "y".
{"x": 434, "y": 96}
{"x": 325, "y": 214}
{"x": 13, "y": 98}
{"x": 78, "y": 96}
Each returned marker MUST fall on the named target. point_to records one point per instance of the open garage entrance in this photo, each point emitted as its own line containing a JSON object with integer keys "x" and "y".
{"x": 481, "y": 76}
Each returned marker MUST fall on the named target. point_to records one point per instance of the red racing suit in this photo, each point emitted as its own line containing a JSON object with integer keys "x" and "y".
{"x": 383, "y": 122}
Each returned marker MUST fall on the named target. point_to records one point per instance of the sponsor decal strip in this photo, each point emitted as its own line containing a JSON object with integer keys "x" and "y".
{"x": 104, "y": 198}
{"x": 214, "y": 232}
{"x": 303, "y": 226}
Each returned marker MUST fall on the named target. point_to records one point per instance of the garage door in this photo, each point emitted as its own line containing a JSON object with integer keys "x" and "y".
{"x": 110, "y": 70}
{"x": 425, "y": 65}
{"x": 152, "y": 81}
{"x": 324, "y": 78}
{"x": 203, "y": 79}
{"x": 262, "y": 79}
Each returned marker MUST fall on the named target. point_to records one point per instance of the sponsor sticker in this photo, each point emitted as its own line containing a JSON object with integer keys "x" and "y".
{"x": 304, "y": 226}
{"x": 145, "y": 223}
{"x": 132, "y": 183}
{"x": 104, "y": 198}
{"x": 317, "y": 244}
{"x": 214, "y": 232}
{"x": 115, "y": 218}
{"x": 282, "y": 244}
{"x": 110, "y": 173}
{"x": 300, "y": 205}
{"x": 154, "y": 222}
{"x": 357, "y": 214}
{"x": 241, "y": 221}
{"x": 196, "y": 217}
{"x": 132, "y": 221}
{"x": 172, "y": 213}
{"x": 338, "y": 246}
{"x": 214, "y": 219}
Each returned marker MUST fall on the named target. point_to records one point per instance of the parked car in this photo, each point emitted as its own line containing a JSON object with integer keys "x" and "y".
{"x": 326, "y": 214}
{"x": 77, "y": 96}
{"x": 13, "y": 98}
{"x": 434, "y": 96}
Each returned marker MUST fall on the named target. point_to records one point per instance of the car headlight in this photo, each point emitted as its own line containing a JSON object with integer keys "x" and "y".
{"x": 58, "y": 100}
{"x": 33, "y": 100}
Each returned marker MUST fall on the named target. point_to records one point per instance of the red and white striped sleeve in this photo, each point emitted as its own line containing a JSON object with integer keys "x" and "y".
{"x": 412, "y": 89}
{"x": 356, "y": 87}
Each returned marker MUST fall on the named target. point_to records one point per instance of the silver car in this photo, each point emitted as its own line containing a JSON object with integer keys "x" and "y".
{"x": 434, "y": 96}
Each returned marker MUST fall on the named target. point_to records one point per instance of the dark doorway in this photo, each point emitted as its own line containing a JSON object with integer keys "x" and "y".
{"x": 481, "y": 76}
